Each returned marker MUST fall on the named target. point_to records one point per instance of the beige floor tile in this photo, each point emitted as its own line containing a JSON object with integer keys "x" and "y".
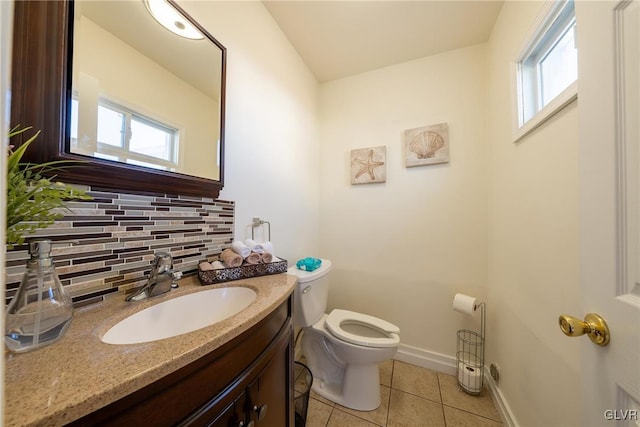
{"x": 458, "y": 418}
{"x": 386, "y": 370}
{"x": 322, "y": 399}
{"x": 415, "y": 380}
{"x": 379, "y": 415}
{"x": 318, "y": 413}
{"x": 452, "y": 396}
{"x": 407, "y": 410}
{"x": 410, "y": 402}
{"x": 342, "y": 419}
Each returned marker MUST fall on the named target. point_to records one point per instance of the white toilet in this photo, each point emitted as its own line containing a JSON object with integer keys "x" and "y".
{"x": 342, "y": 348}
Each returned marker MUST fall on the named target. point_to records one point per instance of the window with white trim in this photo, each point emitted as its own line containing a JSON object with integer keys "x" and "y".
{"x": 124, "y": 135}
{"x": 548, "y": 67}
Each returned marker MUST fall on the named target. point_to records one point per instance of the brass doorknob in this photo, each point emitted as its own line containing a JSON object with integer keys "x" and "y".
{"x": 592, "y": 325}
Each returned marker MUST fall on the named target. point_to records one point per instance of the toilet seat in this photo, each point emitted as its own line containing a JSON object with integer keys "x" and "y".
{"x": 338, "y": 320}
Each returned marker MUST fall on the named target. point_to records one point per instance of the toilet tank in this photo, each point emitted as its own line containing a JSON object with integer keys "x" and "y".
{"x": 310, "y": 295}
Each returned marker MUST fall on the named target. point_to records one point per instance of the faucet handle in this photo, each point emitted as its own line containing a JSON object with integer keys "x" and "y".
{"x": 175, "y": 276}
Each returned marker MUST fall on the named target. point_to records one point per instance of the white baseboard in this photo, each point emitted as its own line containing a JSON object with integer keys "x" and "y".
{"x": 447, "y": 364}
{"x": 508, "y": 419}
{"x": 426, "y": 359}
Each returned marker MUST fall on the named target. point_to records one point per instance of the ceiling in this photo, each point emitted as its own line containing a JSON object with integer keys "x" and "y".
{"x": 337, "y": 39}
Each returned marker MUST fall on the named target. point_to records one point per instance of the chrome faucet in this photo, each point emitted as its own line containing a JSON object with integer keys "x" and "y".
{"x": 161, "y": 278}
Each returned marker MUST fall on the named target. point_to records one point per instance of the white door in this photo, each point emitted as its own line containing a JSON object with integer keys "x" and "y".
{"x": 609, "y": 108}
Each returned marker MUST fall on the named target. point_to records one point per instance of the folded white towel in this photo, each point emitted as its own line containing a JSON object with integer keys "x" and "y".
{"x": 241, "y": 249}
{"x": 217, "y": 265}
{"x": 209, "y": 266}
{"x": 267, "y": 257}
{"x": 255, "y": 246}
{"x": 268, "y": 247}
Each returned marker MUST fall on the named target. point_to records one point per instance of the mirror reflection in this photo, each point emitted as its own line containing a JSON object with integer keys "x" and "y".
{"x": 144, "y": 95}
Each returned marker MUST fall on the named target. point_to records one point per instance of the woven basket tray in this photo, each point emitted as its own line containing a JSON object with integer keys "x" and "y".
{"x": 245, "y": 271}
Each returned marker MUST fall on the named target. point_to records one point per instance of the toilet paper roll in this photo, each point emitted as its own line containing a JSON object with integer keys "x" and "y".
{"x": 469, "y": 377}
{"x": 464, "y": 303}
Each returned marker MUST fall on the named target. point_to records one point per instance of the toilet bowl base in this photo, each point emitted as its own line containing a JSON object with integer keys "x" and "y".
{"x": 360, "y": 389}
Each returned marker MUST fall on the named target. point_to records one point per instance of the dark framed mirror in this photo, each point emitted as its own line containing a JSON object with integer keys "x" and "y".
{"x": 50, "y": 82}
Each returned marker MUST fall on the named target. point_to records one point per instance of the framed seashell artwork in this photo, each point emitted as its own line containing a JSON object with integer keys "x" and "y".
{"x": 369, "y": 165}
{"x": 427, "y": 145}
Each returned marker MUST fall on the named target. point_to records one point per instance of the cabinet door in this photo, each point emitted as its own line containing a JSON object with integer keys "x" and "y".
{"x": 269, "y": 395}
{"x": 232, "y": 416}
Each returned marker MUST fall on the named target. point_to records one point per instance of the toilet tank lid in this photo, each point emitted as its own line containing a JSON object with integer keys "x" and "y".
{"x": 308, "y": 276}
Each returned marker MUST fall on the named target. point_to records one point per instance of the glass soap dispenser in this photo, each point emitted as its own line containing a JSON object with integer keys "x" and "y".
{"x": 41, "y": 311}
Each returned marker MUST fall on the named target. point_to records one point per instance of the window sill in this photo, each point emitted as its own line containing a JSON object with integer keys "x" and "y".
{"x": 565, "y": 98}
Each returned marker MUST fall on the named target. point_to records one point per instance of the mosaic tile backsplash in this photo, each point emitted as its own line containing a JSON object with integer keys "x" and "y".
{"x": 117, "y": 235}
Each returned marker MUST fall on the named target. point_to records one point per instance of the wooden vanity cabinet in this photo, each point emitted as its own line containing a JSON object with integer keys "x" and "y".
{"x": 258, "y": 403}
{"x": 247, "y": 382}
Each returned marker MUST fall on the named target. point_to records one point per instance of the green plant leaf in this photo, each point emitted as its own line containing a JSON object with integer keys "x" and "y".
{"x": 32, "y": 196}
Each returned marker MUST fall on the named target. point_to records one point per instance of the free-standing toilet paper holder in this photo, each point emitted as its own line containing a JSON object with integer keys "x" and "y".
{"x": 470, "y": 355}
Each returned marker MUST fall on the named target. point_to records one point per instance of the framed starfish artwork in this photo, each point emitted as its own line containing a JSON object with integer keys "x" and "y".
{"x": 427, "y": 145}
{"x": 369, "y": 165}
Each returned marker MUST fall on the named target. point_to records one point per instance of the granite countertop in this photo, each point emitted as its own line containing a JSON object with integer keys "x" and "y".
{"x": 79, "y": 374}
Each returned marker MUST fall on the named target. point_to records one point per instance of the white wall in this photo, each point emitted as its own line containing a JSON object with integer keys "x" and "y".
{"x": 402, "y": 249}
{"x": 533, "y": 243}
{"x": 271, "y": 161}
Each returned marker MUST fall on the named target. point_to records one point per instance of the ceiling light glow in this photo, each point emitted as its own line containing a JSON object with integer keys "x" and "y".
{"x": 169, "y": 18}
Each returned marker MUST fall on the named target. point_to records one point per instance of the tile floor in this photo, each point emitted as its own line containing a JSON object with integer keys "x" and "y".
{"x": 411, "y": 396}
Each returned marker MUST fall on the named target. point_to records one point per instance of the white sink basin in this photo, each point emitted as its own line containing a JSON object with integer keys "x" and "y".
{"x": 180, "y": 315}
